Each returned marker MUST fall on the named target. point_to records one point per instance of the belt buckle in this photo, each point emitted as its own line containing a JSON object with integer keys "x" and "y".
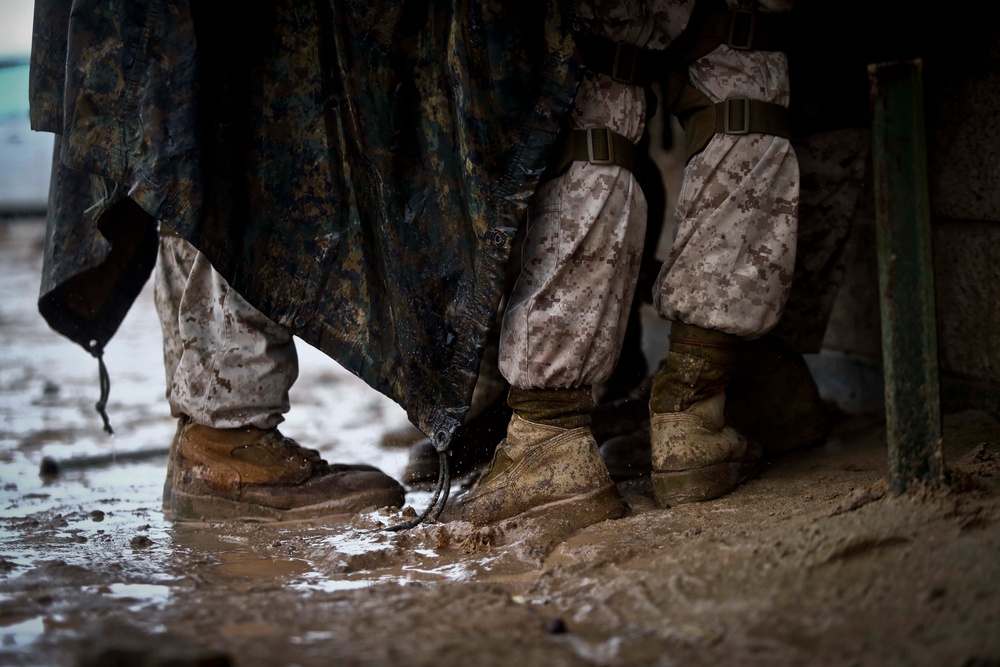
{"x": 727, "y": 112}
{"x": 591, "y": 157}
{"x": 741, "y": 21}
{"x": 629, "y": 62}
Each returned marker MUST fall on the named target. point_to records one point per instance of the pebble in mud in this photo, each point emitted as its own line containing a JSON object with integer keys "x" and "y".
{"x": 140, "y": 542}
{"x": 556, "y": 626}
{"x": 49, "y": 467}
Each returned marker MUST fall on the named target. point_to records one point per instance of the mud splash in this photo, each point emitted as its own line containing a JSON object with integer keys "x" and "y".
{"x": 812, "y": 563}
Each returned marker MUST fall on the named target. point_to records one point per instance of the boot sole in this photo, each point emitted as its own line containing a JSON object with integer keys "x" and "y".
{"x": 690, "y": 486}
{"x": 583, "y": 510}
{"x": 575, "y": 512}
{"x": 193, "y": 508}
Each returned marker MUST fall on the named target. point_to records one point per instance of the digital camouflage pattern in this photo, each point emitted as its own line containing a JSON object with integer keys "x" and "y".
{"x": 227, "y": 365}
{"x": 731, "y": 265}
{"x": 566, "y": 317}
{"x": 651, "y": 24}
{"x": 356, "y": 171}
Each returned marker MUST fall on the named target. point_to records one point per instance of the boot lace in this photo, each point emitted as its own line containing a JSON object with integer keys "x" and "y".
{"x": 293, "y": 451}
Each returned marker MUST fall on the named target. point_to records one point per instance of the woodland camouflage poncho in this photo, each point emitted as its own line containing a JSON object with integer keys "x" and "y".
{"x": 357, "y": 170}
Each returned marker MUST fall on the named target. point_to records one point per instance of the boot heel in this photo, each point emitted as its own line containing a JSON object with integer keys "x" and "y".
{"x": 688, "y": 486}
{"x": 189, "y": 507}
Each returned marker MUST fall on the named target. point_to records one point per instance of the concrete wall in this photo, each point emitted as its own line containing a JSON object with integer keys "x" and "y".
{"x": 960, "y": 51}
{"x": 962, "y": 101}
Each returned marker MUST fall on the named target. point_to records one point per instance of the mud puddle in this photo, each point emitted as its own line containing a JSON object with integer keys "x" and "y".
{"x": 813, "y": 563}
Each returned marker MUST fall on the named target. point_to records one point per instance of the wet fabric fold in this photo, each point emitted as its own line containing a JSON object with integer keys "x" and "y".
{"x": 357, "y": 171}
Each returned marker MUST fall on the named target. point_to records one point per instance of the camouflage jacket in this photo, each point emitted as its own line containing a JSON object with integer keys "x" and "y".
{"x": 356, "y": 170}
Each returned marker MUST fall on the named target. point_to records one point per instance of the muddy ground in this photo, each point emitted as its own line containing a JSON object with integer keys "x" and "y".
{"x": 811, "y": 564}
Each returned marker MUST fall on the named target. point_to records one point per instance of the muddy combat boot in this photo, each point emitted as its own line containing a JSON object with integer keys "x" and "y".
{"x": 475, "y": 441}
{"x": 168, "y": 485}
{"x": 252, "y": 474}
{"x": 695, "y": 455}
{"x": 548, "y": 469}
{"x": 773, "y": 399}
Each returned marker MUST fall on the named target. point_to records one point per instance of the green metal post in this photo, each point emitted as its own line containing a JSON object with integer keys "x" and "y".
{"x": 906, "y": 278}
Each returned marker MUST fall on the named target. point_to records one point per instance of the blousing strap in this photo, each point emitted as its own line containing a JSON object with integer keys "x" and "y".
{"x": 739, "y": 115}
{"x": 711, "y": 25}
{"x": 625, "y": 63}
{"x": 596, "y": 145}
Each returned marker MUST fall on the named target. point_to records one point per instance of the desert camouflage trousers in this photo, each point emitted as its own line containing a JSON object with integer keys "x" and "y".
{"x": 227, "y": 365}
{"x": 732, "y": 261}
{"x": 731, "y": 265}
{"x": 565, "y": 318}
{"x": 833, "y": 166}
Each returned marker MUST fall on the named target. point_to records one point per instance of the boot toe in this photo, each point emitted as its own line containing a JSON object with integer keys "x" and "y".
{"x": 259, "y": 475}
{"x": 562, "y": 477}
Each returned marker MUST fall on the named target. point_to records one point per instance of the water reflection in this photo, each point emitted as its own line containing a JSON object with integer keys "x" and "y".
{"x": 22, "y": 633}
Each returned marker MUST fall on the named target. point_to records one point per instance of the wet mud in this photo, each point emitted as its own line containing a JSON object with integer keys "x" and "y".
{"x": 812, "y": 563}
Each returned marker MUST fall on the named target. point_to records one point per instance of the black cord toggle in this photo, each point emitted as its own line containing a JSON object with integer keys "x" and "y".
{"x": 105, "y": 380}
{"x": 441, "y": 489}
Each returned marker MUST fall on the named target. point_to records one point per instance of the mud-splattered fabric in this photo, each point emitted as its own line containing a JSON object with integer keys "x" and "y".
{"x": 565, "y": 319}
{"x": 227, "y": 365}
{"x": 733, "y": 257}
{"x": 731, "y": 266}
{"x": 356, "y": 171}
